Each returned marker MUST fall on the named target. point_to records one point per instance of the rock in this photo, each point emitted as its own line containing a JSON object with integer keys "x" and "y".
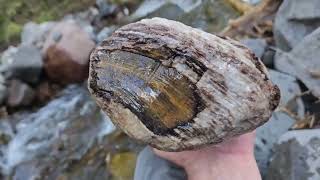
{"x": 268, "y": 57}
{"x": 268, "y": 134}
{"x": 3, "y": 89}
{"x": 173, "y": 86}
{"x": 105, "y": 8}
{"x": 6, "y": 134}
{"x": 303, "y": 62}
{"x": 7, "y": 57}
{"x": 24, "y": 63}
{"x": 20, "y": 94}
{"x": 85, "y": 20}
{"x": 294, "y": 20}
{"x": 152, "y": 167}
{"x": 66, "y": 52}
{"x": 104, "y": 33}
{"x": 35, "y": 34}
{"x": 296, "y": 156}
{"x": 258, "y": 46}
{"x": 122, "y": 165}
{"x": 64, "y": 139}
{"x": 208, "y": 15}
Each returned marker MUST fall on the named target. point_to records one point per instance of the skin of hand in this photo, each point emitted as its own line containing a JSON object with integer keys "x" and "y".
{"x": 229, "y": 160}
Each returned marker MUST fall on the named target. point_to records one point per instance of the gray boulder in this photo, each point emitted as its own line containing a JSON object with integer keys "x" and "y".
{"x": 303, "y": 62}
{"x": 64, "y": 139}
{"x": 297, "y": 156}
{"x": 269, "y": 133}
{"x": 294, "y": 20}
{"x": 24, "y": 63}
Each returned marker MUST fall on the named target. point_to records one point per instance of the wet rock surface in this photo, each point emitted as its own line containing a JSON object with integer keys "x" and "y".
{"x": 66, "y": 53}
{"x": 297, "y": 156}
{"x": 280, "y": 122}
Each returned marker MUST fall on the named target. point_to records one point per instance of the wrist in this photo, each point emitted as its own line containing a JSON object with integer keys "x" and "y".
{"x": 240, "y": 167}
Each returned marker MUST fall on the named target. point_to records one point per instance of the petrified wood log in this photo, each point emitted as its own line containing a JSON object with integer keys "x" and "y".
{"x": 176, "y": 87}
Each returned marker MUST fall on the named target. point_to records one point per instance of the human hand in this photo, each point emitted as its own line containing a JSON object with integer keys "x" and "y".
{"x": 230, "y": 160}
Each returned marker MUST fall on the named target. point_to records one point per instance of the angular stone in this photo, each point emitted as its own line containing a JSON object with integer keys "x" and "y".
{"x": 64, "y": 139}
{"x": 294, "y": 20}
{"x": 258, "y": 46}
{"x": 268, "y": 134}
{"x": 297, "y": 156}
{"x": 20, "y": 94}
{"x": 303, "y": 62}
{"x": 66, "y": 51}
{"x": 24, "y": 63}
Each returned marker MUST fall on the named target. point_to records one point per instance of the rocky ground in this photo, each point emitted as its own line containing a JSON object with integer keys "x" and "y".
{"x": 50, "y": 128}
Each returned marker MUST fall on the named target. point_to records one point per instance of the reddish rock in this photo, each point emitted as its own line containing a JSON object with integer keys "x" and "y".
{"x": 66, "y": 53}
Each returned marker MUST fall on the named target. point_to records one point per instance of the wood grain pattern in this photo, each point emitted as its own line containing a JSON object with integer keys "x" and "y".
{"x": 176, "y": 87}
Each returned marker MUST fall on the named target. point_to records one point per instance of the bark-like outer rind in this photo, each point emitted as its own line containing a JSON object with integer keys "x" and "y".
{"x": 231, "y": 81}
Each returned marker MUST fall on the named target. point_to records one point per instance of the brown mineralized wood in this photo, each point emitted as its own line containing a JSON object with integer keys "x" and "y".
{"x": 177, "y": 88}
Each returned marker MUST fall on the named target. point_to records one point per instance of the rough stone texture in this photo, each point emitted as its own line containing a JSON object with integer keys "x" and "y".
{"x": 133, "y": 71}
{"x": 66, "y": 52}
{"x": 62, "y": 140}
{"x": 258, "y": 46}
{"x": 297, "y": 156}
{"x": 294, "y": 20}
{"x": 303, "y": 62}
{"x": 20, "y": 94}
{"x": 24, "y": 63}
{"x": 268, "y": 134}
